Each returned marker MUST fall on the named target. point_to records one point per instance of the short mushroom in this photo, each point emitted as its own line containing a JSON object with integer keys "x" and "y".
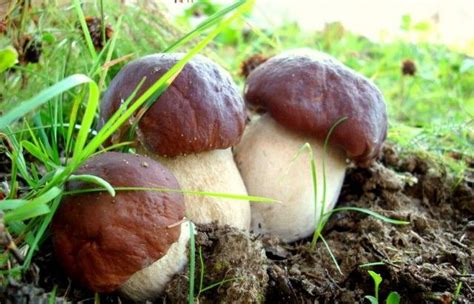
{"x": 304, "y": 94}
{"x": 133, "y": 242}
{"x": 190, "y": 129}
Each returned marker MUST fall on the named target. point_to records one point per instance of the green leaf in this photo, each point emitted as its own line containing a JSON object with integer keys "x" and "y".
{"x": 8, "y": 58}
{"x": 41, "y": 98}
{"x": 393, "y": 298}
{"x": 94, "y": 180}
{"x": 377, "y": 280}
{"x": 372, "y": 299}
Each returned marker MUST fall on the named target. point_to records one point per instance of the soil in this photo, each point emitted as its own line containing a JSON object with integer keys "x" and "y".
{"x": 428, "y": 261}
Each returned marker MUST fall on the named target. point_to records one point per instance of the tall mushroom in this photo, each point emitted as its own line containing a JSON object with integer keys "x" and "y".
{"x": 190, "y": 129}
{"x": 305, "y": 93}
{"x": 133, "y": 242}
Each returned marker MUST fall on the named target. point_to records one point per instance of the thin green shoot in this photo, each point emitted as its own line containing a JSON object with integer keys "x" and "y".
{"x": 192, "y": 263}
{"x": 238, "y": 197}
{"x": 85, "y": 30}
{"x": 220, "y": 283}
{"x": 322, "y": 220}
{"x": 201, "y": 272}
{"x": 331, "y": 254}
{"x": 40, "y": 232}
{"x": 369, "y": 212}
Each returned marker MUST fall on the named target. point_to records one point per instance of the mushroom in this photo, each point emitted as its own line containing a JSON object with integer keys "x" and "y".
{"x": 133, "y": 242}
{"x": 305, "y": 93}
{"x": 190, "y": 129}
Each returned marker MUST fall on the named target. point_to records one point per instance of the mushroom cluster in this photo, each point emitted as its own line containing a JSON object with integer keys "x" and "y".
{"x": 133, "y": 242}
{"x": 304, "y": 94}
{"x": 190, "y": 129}
{"x": 136, "y": 241}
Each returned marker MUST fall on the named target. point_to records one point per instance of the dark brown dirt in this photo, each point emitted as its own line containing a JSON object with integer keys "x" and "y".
{"x": 424, "y": 261}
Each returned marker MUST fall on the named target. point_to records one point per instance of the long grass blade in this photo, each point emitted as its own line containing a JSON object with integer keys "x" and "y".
{"x": 41, "y": 98}
{"x": 371, "y": 213}
{"x": 188, "y": 192}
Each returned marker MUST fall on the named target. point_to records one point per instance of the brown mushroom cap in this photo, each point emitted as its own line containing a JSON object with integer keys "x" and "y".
{"x": 309, "y": 91}
{"x": 102, "y": 240}
{"x": 202, "y": 110}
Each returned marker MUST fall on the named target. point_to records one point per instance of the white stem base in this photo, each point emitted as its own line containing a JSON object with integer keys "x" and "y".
{"x": 149, "y": 283}
{"x": 212, "y": 171}
{"x": 269, "y": 165}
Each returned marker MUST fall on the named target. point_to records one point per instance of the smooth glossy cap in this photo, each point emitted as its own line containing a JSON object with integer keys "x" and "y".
{"x": 309, "y": 91}
{"x": 202, "y": 110}
{"x": 102, "y": 240}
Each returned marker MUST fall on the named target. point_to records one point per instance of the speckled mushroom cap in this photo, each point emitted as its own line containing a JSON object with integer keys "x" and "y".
{"x": 202, "y": 110}
{"x": 102, "y": 240}
{"x": 309, "y": 91}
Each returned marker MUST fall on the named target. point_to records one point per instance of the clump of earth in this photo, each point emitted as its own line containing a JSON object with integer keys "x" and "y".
{"x": 429, "y": 260}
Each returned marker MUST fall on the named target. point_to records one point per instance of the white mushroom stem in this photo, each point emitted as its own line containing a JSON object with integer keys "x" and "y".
{"x": 269, "y": 165}
{"x": 213, "y": 171}
{"x": 150, "y": 282}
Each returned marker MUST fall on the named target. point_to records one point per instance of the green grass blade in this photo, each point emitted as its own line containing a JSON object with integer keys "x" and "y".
{"x": 201, "y": 272}
{"x": 371, "y": 213}
{"x": 192, "y": 263}
{"x": 34, "y": 208}
{"x": 9, "y": 204}
{"x": 214, "y": 285}
{"x": 85, "y": 30}
{"x": 189, "y": 192}
{"x": 87, "y": 119}
{"x": 94, "y": 180}
{"x": 72, "y": 122}
{"x": 331, "y": 254}
{"x": 45, "y": 95}
{"x": 41, "y": 230}
{"x": 36, "y": 152}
